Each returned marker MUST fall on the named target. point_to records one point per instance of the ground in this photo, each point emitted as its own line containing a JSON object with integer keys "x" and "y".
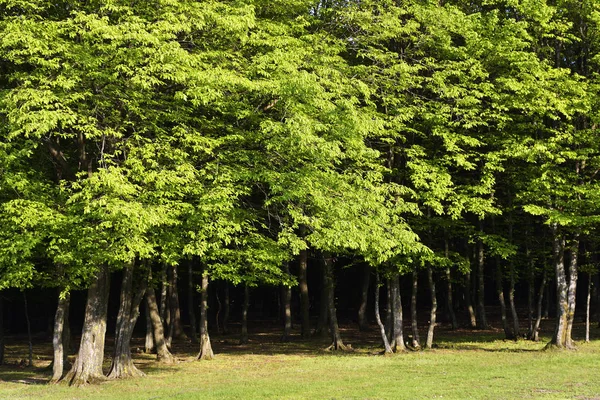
{"x": 464, "y": 364}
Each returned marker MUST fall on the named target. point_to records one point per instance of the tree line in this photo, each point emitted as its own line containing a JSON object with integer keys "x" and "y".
{"x": 237, "y": 137}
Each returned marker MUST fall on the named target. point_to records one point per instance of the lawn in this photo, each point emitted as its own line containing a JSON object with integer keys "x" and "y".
{"x": 464, "y": 365}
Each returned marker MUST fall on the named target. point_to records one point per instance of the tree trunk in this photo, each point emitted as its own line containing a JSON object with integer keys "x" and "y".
{"x": 386, "y": 343}
{"x": 587, "y": 308}
{"x": 398, "y": 336}
{"x": 562, "y": 305}
{"x": 58, "y": 338}
{"x": 29, "y": 339}
{"x": 206, "y": 352}
{"x": 481, "y": 317}
{"x": 413, "y": 311}
{"x": 530, "y": 298}
{"x": 511, "y": 301}
{"x": 304, "y": 300}
{"x": 334, "y": 329}
{"x": 164, "y": 285}
{"x": 175, "y": 325}
{"x": 286, "y": 295}
{"x": 433, "y": 314}
{"x": 468, "y": 301}
{"x": 364, "y": 296}
{"x": 226, "y": 310}
{"x": 536, "y": 326}
{"x": 245, "y": 306}
{"x": 571, "y": 294}
{"x": 131, "y": 296}
{"x": 323, "y": 321}
{"x": 149, "y": 346}
{"x": 389, "y": 312}
{"x": 500, "y": 293}
{"x": 162, "y": 351}
{"x": 87, "y": 367}
{"x": 191, "y": 306}
{"x": 450, "y": 303}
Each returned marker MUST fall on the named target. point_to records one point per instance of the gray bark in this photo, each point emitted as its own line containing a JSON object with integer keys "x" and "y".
{"x": 386, "y": 343}
{"x": 587, "y": 308}
{"x": 132, "y": 294}
{"x": 413, "y": 311}
{"x": 536, "y": 326}
{"x": 60, "y": 348}
{"x": 149, "y": 342}
{"x": 334, "y": 329}
{"x": 571, "y": 293}
{"x": 481, "y": 317}
{"x": 397, "y": 342}
{"x": 559, "y": 338}
{"x": 87, "y": 367}
{"x": 286, "y": 295}
{"x": 433, "y": 314}
{"x": 162, "y": 351}
{"x": 206, "y": 352}
{"x": 304, "y": 300}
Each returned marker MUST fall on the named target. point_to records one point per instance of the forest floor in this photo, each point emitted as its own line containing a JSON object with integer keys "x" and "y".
{"x": 463, "y": 364}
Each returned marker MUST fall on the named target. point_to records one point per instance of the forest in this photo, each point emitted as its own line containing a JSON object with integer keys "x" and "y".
{"x": 390, "y": 164}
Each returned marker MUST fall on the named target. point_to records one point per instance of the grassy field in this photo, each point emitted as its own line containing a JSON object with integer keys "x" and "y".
{"x": 464, "y": 365}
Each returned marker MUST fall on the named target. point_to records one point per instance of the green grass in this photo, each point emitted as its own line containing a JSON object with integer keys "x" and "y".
{"x": 485, "y": 368}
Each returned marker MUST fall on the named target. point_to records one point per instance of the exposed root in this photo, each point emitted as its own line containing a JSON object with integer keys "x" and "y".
{"x": 339, "y": 346}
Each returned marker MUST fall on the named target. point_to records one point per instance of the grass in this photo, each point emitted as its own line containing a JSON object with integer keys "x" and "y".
{"x": 465, "y": 364}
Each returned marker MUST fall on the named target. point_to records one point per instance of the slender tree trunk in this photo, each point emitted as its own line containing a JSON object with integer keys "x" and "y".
{"x": 364, "y": 296}
{"x": 323, "y": 321}
{"x": 162, "y": 351}
{"x": 29, "y": 339}
{"x": 131, "y": 296}
{"x": 481, "y": 317}
{"x": 389, "y": 312}
{"x": 500, "y": 293}
{"x": 58, "y": 338}
{"x": 176, "y": 331}
{"x": 398, "y": 336}
{"x": 164, "y": 284}
{"x": 536, "y": 326}
{"x": 334, "y": 329}
{"x": 413, "y": 310}
{"x": 587, "y": 308}
{"x": 530, "y": 298}
{"x": 246, "y": 305}
{"x": 286, "y": 296}
{"x": 304, "y": 300}
{"x": 511, "y": 301}
{"x": 571, "y": 293}
{"x": 562, "y": 307}
{"x": 433, "y": 314}
{"x": 386, "y": 343}
{"x": 206, "y": 352}
{"x": 87, "y": 367}
{"x": 149, "y": 347}
{"x": 226, "y": 310}
{"x": 450, "y": 303}
{"x": 191, "y": 306}
{"x": 468, "y": 301}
